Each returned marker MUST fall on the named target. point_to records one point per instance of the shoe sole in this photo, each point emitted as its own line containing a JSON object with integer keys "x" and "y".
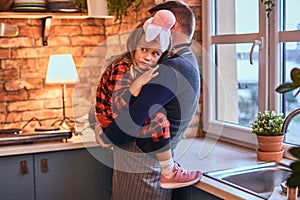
{"x": 179, "y": 185}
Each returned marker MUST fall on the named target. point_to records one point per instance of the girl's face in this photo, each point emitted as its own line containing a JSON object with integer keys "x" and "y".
{"x": 147, "y": 54}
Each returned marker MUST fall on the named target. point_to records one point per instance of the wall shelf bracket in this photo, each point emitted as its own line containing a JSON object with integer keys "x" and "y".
{"x": 46, "y": 28}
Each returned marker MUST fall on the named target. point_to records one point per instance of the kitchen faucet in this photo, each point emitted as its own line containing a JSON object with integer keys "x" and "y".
{"x": 292, "y": 193}
{"x": 288, "y": 119}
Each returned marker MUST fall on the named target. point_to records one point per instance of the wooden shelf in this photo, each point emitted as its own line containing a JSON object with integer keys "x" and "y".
{"x": 38, "y": 15}
{"x": 46, "y": 18}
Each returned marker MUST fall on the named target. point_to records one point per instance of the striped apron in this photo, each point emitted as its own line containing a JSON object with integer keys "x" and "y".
{"x": 136, "y": 175}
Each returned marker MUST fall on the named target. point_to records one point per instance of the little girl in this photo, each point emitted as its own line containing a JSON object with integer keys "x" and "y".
{"x": 122, "y": 81}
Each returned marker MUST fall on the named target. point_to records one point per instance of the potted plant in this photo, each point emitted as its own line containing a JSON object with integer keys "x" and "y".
{"x": 293, "y": 180}
{"x": 269, "y": 6}
{"x": 117, "y": 8}
{"x": 268, "y": 129}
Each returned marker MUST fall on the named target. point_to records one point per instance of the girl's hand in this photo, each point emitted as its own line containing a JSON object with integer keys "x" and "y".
{"x": 99, "y": 140}
{"x": 143, "y": 79}
{"x": 146, "y": 76}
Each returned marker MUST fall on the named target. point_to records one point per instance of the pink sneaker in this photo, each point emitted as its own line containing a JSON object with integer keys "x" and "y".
{"x": 181, "y": 178}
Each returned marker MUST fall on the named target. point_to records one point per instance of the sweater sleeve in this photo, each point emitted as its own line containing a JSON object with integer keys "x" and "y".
{"x": 158, "y": 92}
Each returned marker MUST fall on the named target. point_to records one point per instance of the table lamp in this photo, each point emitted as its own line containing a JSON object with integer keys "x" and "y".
{"x": 62, "y": 70}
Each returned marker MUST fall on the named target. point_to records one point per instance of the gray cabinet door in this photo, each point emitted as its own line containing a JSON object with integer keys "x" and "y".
{"x": 71, "y": 175}
{"x": 17, "y": 178}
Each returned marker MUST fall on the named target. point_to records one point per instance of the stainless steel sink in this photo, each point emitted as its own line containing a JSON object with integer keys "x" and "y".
{"x": 258, "y": 180}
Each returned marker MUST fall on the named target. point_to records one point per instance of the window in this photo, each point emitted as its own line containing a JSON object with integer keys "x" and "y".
{"x": 248, "y": 56}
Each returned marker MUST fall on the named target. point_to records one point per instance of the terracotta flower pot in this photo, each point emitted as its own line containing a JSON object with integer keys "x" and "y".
{"x": 269, "y": 156}
{"x": 270, "y": 143}
{"x": 269, "y": 148}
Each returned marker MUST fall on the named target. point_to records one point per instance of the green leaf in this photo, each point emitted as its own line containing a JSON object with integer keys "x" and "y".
{"x": 293, "y": 180}
{"x": 295, "y": 75}
{"x": 287, "y": 87}
{"x": 295, "y": 166}
{"x": 295, "y": 151}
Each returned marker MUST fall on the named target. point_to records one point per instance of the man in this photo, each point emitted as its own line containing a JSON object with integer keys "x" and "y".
{"x": 176, "y": 90}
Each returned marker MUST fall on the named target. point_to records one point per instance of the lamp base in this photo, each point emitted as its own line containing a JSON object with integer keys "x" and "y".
{"x": 65, "y": 120}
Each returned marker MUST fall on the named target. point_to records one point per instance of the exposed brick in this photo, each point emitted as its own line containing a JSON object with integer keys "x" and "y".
{"x": 32, "y": 31}
{"x": 45, "y": 93}
{"x": 20, "y": 84}
{"x": 13, "y": 117}
{"x": 33, "y": 22}
{"x": 2, "y": 108}
{"x": 33, "y": 73}
{"x": 59, "y": 41}
{"x": 9, "y": 74}
{"x": 93, "y": 30}
{"x": 75, "y": 51}
{"x": 4, "y": 53}
{"x": 67, "y": 30}
{"x": 18, "y": 63}
{"x": 100, "y": 21}
{"x": 2, "y": 119}
{"x": 25, "y": 105}
{"x": 16, "y": 42}
{"x": 13, "y": 96}
{"x": 77, "y": 21}
{"x": 91, "y": 40}
{"x": 40, "y": 114}
{"x": 53, "y": 103}
{"x": 25, "y": 53}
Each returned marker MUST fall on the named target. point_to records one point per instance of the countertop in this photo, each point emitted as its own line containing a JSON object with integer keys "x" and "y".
{"x": 201, "y": 153}
{"x": 193, "y": 154}
{"x": 80, "y": 141}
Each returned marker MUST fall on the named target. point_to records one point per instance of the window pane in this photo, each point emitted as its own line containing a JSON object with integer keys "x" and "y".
{"x": 237, "y": 84}
{"x": 237, "y": 16}
{"x": 292, "y": 17}
{"x": 292, "y": 60}
{"x": 292, "y": 135}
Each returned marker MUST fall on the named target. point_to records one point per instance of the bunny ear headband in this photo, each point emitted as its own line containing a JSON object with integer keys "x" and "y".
{"x": 159, "y": 27}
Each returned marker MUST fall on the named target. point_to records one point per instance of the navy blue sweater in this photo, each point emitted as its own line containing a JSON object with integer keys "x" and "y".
{"x": 175, "y": 89}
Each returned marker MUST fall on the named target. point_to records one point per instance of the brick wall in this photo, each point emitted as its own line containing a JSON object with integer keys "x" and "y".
{"x": 23, "y": 65}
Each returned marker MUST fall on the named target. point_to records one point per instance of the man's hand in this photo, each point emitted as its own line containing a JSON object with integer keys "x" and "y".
{"x": 99, "y": 140}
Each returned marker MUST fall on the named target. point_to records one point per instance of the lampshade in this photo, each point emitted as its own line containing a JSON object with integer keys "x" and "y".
{"x": 61, "y": 69}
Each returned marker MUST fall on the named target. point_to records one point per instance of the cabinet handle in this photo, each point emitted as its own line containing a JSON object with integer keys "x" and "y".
{"x": 23, "y": 166}
{"x": 44, "y": 164}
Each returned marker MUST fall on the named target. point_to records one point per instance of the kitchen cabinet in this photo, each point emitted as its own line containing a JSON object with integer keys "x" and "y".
{"x": 16, "y": 177}
{"x": 61, "y": 175}
{"x": 192, "y": 193}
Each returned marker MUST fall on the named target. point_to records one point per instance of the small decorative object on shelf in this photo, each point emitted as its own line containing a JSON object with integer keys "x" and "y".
{"x": 82, "y": 5}
{"x": 268, "y": 129}
{"x": 29, "y": 6}
{"x": 116, "y": 8}
{"x": 67, "y": 6}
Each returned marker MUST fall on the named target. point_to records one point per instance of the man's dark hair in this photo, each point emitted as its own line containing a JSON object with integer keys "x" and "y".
{"x": 183, "y": 13}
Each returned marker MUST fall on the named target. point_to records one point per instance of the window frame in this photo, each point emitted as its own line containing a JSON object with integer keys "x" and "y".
{"x": 232, "y": 132}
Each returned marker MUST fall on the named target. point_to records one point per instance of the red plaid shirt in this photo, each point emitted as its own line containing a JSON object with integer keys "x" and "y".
{"x": 106, "y": 90}
{"x": 114, "y": 83}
